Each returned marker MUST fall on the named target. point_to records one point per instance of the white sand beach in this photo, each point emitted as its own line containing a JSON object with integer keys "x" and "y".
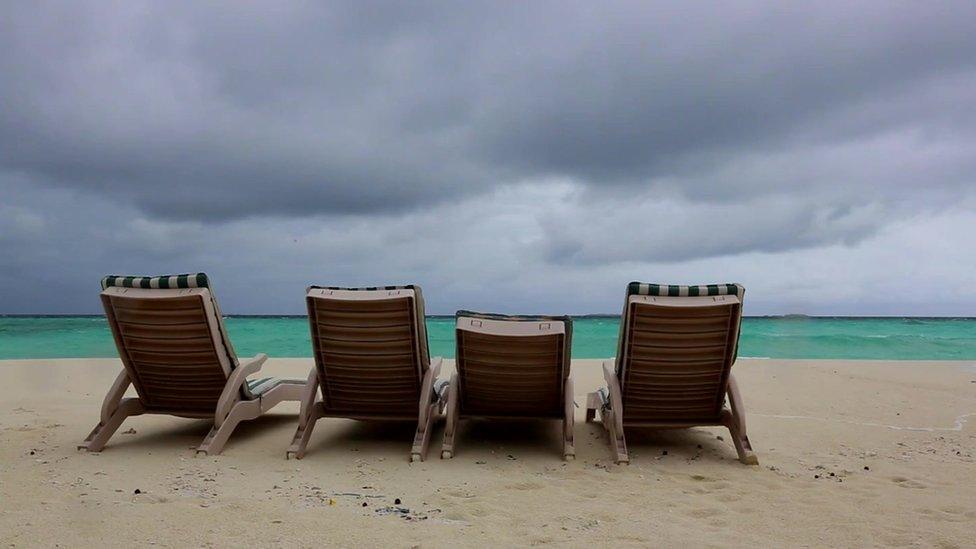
{"x": 851, "y": 454}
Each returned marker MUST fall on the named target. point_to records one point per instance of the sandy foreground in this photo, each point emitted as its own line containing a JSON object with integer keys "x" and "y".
{"x": 851, "y": 454}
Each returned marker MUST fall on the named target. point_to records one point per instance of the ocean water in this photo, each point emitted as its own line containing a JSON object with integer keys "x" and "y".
{"x": 593, "y": 337}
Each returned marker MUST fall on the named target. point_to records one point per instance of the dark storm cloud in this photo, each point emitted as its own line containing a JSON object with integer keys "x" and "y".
{"x": 224, "y": 111}
{"x": 489, "y": 149}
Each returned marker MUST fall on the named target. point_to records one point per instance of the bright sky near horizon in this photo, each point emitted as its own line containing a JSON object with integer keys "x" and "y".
{"x": 514, "y": 157}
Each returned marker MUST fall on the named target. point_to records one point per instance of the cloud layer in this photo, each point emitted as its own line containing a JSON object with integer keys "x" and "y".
{"x": 507, "y": 156}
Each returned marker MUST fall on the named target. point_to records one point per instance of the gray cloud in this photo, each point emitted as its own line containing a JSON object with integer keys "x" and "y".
{"x": 489, "y": 147}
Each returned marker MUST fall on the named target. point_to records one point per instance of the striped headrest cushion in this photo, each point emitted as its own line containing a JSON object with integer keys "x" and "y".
{"x": 517, "y": 318}
{"x": 194, "y": 280}
{"x": 366, "y": 288}
{"x": 641, "y": 288}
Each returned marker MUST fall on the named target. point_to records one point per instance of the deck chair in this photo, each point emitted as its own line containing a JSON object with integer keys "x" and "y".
{"x": 174, "y": 348}
{"x": 675, "y": 353}
{"x": 511, "y": 367}
{"x": 371, "y": 362}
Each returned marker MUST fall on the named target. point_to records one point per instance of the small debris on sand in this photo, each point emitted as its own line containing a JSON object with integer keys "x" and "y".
{"x": 129, "y": 431}
{"x": 405, "y": 513}
{"x": 392, "y": 511}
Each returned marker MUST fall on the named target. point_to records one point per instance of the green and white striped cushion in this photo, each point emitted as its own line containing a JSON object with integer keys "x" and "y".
{"x": 515, "y": 318}
{"x": 366, "y": 288}
{"x": 260, "y": 386}
{"x": 193, "y": 280}
{"x": 674, "y": 290}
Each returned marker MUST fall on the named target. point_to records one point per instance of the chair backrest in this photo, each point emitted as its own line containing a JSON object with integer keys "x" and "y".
{"x": 677, "y": 345}
{"x": 171, "y": 339}
{"x": 370, "y": 348}
{"x": 512, "y": 366}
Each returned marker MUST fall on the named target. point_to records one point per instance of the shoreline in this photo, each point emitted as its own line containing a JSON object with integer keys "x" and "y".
{"x": 593, "y": 338}
{"x": 799, "y": 361}
{"x": 815, "y": 424}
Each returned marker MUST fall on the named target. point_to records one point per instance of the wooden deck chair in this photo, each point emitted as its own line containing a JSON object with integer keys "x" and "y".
{"x": 371, "y": 362}
{"x": 175, "y": 351}
{"x": 673, "y": 367}
{"x": 511, "y": 367}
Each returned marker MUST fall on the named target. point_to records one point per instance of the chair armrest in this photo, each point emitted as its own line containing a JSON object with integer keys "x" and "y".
{"x": 616, "y": 397}
{"x": 232, "y": 389}
{"x": 427, "y": 386}
{"x": 114, "y": 396}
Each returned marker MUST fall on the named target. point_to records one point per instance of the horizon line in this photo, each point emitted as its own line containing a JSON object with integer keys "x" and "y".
{"x": 585, "y": 315}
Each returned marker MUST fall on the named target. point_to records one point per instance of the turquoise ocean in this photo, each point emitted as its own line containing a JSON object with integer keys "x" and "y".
{"x": 885, "y": 338}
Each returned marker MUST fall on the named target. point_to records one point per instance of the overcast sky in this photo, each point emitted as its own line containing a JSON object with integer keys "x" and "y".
{"x": 521, "y": 157}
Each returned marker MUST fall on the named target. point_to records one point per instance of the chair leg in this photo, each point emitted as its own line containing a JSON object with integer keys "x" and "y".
{"x": 617, "y": 441}
{"x": 743, "y": 447}
{"x": 104, "y": 430}
{"x": 596, "y": 404}
{"x": 737, "y": 425}
{"x": 421, "y": 440}
{"x": 569, "y": 448}
{"x": 215, "y": 440}
{"x": 594, "y": 401}
{"x": 569, "y": 422}
{"x": 304, "y": 432}
{"x": 450, "y": 429}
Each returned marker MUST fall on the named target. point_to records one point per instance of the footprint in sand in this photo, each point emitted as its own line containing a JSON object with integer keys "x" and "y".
{"x": 703, "y": 513}
{"x": 908, "y": 483}
{"x": 456, "y": 515}
{"x": 632, "y": 539}
{"x": 732, "y": 498}
{"x": 952, "y": 513}
{"x": 525, "y": 486}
